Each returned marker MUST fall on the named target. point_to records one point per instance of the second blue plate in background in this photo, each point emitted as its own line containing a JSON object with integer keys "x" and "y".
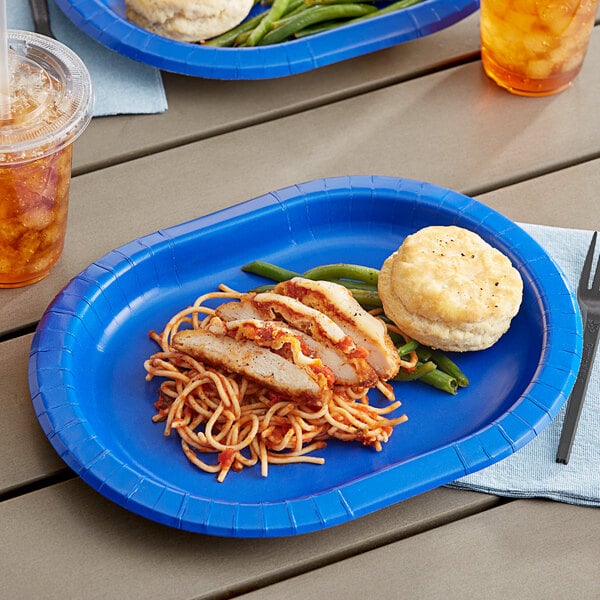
{"x": 104, "y": 20}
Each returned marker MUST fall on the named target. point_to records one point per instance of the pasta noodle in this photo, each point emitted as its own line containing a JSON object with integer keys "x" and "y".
{"x": 240, "y": 423}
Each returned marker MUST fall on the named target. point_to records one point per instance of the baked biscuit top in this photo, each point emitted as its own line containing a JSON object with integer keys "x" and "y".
{"x": 453, "y": 275}
{"x": 447, "y": 288}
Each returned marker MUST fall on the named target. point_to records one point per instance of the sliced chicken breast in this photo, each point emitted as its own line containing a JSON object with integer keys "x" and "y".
{"x": 234, "y": 311}
{"x": 305, "y": 318}
{"x": 269, "y": 334}
{"x": 340, "y": 306}
{"x": 252, "y": 361}
{"x": 347, "y": 370}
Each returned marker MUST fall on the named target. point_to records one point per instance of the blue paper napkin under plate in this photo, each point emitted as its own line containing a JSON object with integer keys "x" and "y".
{"x": 532, "y": 472}
{"x": 121, "y": 85}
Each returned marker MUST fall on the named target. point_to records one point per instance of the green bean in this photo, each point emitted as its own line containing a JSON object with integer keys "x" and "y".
{"x": 294, "y": 5}
{"x": 398, "y": 5}
{"x": 424, "y": 353}
{"x": 366, "y": 299}
{"x": 315, "y": 14}
{"x": 396, "y": 338}
{"x": 444, "y": 363}
{"x": 319, "y": 27}
{"x": 344, "y": 271}
{"x": 356, "y": 279}
{"x": 277, "y": 10}
{"x": 240, "y": 34}
{"x": 440, "y": 380}
{"x": 251, "y": 31}
{"x": 263, "y": 288}
{"x": 229, "y": 37}
{"x": 242, "y": 38}
{"x": 449, "y": 366}
{"x": 420, "y": 371}
{"x": 408, "y": 347}
{"x": 302, "y": 6}
{"x": 329, "y": 2}
{"x": 394, "y": 6}
{"x": 365, "y": 295}
{"x": 268, "y": 270}
{"x": 355, "y": 285}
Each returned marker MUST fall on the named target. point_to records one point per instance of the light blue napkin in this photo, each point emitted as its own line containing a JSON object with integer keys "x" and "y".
{"x": 121, "y": 85}
{"x": 533, "y": 470}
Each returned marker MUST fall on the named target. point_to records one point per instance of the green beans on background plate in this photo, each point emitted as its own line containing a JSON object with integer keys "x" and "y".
{"x": 433, "y": 367}
{"x": 286, "y": 20}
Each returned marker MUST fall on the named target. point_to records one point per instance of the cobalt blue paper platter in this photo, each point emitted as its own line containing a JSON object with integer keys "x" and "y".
{"x": 104, "y": 20}
{"x": 93, "y": 402}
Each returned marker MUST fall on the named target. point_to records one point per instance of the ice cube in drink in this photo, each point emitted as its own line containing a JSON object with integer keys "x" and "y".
{"x": 535, "y": 47}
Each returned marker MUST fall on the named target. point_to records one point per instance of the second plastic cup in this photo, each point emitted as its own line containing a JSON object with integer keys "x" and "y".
{"x": 50, "y": 105}
{"x": 535, "y": 47}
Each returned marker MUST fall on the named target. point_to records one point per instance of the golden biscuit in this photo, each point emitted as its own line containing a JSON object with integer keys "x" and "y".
{"x": 449, "y": 289}
{"x": 188, "y": 20}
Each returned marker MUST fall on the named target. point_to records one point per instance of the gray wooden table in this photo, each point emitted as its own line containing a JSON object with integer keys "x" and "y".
{"x": 423, "y": 110}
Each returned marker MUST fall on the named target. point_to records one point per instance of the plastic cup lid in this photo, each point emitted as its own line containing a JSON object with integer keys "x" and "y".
{"x": 51, "y": 98}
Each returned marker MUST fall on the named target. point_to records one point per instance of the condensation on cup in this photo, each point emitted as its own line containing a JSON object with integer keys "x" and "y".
{"x": 50, "y": 105}
{"x": 535, "y": 47}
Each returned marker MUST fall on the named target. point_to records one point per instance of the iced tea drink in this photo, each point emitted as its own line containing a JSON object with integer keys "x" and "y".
{"x": 50, "y": 105}
{"x": 535, "y": 47}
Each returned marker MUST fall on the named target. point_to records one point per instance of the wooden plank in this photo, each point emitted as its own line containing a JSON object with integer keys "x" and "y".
{"x": 67, "y": 541}
{"x": 27, "y": 455}
{"x": 201, "y": 108}
{"x": 575, "y": 187}
{"x": 524, "y": 549}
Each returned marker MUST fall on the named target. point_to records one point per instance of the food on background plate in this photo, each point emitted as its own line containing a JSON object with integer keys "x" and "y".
{"x": 264, "y": 378}
{"x": 282, "y": 21}
{"x": 287, "y": 20}
{"x": 449, "y": 289}
{"x": 188, "y": 20}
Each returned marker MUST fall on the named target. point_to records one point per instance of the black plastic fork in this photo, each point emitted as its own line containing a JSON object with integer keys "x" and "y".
{"x": 41, "y": 17}
{"x": 588, "y": 296}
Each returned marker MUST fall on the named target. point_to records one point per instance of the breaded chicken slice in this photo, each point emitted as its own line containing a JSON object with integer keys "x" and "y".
{"x": 340, "y": 306}
{"x": 254, "y": 362}
{"x": 245, "y": 317}
{"x": 280, "y": 339}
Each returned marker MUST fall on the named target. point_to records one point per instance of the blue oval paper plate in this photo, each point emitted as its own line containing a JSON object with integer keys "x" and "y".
{"x": 90, "y": 395}
{"x": 104, "y": 20}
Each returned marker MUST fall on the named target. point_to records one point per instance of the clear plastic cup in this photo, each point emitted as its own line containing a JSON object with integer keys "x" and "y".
{"x": 535, "y": 47}
{"x": 50, "y": 106}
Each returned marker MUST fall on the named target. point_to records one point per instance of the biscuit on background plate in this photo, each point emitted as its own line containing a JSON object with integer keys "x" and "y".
{"x": 188, "y": 20}
{"x": 449, "y": 289}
